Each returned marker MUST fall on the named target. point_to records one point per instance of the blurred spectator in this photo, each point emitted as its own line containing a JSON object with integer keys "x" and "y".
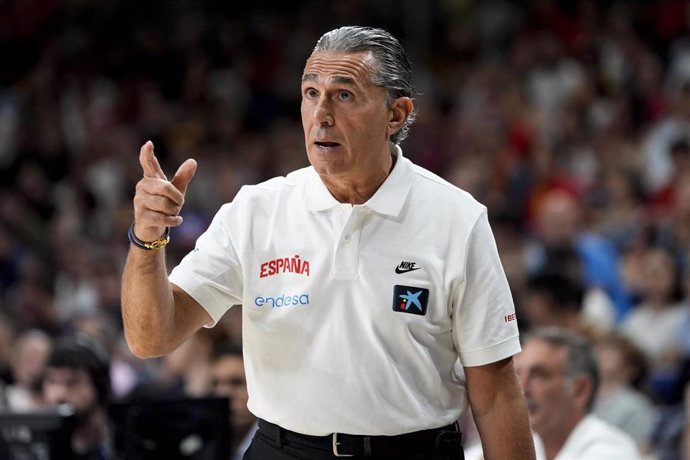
{"x": 683, "y": 333}
{"x": 126, "y": 371}
{"x": 618, "y": 211}
{"x": 663, "y": 199}
{"x": 552, "y": 81}
{"x": 559, "y": 375}
{"x": 106, "y": 280}
{"x": 670, "y": 433}
{"x": 677, "y": 387}
{"x": 75, "y": 287}
{"x": 31, "y": 301}
{"x": 77, "y": 374}
{"x": 184, "y": 372}
{"x": 31, "y": 351}
{"x": 658, "y": 167}
{"x": 620, "y": 401}
{"x": 228, "y": 379}
{"x": 563, "y": 244}
{"x": 653, "y": 323}
{"x": 554, "y": 299}
{"x": 673, "y": 228}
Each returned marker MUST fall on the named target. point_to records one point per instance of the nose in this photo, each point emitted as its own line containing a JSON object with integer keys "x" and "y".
{"x": 57, "y": 394}
{"x": 322, "y": 112}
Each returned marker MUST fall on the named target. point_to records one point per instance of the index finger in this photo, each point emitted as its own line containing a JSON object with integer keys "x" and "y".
{"x": 149, "y": 163}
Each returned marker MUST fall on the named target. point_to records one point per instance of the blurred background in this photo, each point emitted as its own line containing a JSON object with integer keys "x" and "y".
{"x": 569, "y": 120}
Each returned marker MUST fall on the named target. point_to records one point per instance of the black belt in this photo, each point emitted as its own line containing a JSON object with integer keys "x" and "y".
{"x": 446, "y": 439}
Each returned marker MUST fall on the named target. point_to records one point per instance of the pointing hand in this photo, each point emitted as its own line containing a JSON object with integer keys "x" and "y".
{"x": 158, "y": 201}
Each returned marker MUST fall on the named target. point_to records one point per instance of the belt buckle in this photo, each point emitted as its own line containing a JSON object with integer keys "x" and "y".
{"x": 335, "y": 447}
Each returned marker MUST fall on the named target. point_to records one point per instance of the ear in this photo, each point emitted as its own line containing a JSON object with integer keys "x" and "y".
{"x": 398, "y": 112}
{"x": 582, "y": 391}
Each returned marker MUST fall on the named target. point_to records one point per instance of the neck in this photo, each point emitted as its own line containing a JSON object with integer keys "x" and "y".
{"x": 607, "y": 389}
{"x": 358, "y": 190}
{"x": 91, "y": 433}
{"x": 554, "y": 440}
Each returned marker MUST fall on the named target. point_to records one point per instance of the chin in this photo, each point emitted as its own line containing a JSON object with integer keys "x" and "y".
{"x": 325, "y": 168}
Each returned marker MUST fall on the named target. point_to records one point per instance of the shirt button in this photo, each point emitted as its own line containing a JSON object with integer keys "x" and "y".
{"x": 347, "y": 238}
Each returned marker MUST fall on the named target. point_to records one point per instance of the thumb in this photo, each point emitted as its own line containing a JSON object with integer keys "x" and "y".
{"x": 183, "y": 175}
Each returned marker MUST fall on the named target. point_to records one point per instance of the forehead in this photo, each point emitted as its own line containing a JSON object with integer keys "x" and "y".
{"x": 68, "y": 373}
{"x": 540, "y": 352}
{"x": 329, "y": 67}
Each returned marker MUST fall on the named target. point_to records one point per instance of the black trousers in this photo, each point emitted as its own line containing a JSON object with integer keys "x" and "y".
{"x": 268, "y": 445}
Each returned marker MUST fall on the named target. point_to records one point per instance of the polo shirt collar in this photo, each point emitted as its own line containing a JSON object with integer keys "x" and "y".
{"x": 387, "y": 200}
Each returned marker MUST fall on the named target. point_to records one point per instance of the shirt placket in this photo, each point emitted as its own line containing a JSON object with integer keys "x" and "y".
{"x": 346, "y": 260}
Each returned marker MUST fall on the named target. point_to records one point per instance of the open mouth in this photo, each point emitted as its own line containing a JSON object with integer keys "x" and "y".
{"x": 325, "y": 144}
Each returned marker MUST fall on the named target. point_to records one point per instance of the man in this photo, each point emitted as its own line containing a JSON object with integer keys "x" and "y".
{"x": 77, "y": 373}
{"x": 228, "y": 379}
{"x": 366, "y": 282}
{"x": 558, "y": 371}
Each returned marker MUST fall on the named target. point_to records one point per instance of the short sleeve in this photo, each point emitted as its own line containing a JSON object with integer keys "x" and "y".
{"x": 484, "y": 322}
{"x": 211, "y": 273}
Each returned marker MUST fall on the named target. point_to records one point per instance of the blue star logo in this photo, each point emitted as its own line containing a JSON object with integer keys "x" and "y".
{"x": 411, "y": 299}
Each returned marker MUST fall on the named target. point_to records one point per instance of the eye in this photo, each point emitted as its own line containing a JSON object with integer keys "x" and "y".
{"x": 311, "y": 93}
{"x": 541, "y": 375}
{"x": 345, "y": 95}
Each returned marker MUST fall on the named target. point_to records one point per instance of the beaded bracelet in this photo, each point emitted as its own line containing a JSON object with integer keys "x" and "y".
{"x": 153, "y": 245}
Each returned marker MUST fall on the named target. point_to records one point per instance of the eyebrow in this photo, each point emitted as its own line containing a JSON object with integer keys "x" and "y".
{"x": 337, "y": 79}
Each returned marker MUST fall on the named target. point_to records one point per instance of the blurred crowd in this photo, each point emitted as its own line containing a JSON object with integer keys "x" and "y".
{"x": 569, "y": 120}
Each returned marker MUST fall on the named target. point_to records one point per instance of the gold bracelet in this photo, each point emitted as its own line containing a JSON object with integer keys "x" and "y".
{"x": 153, "y": 245}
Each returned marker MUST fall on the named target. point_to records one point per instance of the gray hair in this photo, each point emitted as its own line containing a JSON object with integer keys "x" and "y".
{"x": 580, "y": 359}
{"x": 393, "y": 69}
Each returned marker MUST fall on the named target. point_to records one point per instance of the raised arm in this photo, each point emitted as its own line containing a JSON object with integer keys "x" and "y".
{"x": 158, "y": 316}
{"x": 500, "y": 411}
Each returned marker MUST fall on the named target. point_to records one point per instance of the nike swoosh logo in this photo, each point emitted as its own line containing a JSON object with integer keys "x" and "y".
{"x": 400, "y": 271}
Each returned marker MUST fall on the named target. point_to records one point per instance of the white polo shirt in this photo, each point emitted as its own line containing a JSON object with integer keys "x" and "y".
{"x": 356, "y": 319}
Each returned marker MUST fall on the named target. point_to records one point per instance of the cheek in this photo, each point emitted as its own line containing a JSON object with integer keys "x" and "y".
{"x": 305, "y": 119}
{"x": 377, "y": 127}
{"x": 51, "y": 393}
{"x": 556, "y": 395}
{"x": 544, "y": 391}
{"x": 83, "y": 396}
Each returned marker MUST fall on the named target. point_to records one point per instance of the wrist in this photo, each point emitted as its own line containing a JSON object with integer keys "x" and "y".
{"x": 147, "y": 233}
{"x": 151, "y": 245}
